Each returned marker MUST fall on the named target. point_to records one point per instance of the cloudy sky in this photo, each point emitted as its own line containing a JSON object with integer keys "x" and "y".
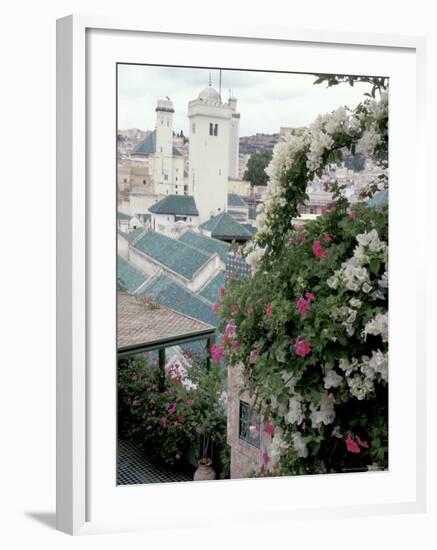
{"x": 266, "y": 100}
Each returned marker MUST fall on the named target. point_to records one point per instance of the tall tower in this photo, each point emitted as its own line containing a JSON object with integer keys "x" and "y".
{"x": 210, "y": 122}
{"x": 234, "y": 141}
{"x": 163, "y": 162}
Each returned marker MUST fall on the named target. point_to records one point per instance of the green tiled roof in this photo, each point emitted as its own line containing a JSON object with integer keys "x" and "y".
{"x": 235, "y": 200}
{"x": 128, "y": 277}
{"x": 180, "y": 205}
{"x": 132, "y": 235}
{"x": 224, "y": 226}
{"x": 249, "y": 228}
{"x": 176, "y": 256}
{"x": 212, "y": 290}
{"x": 148, "y": 146}
{"x": 165, "y": 291}
{"x": 122, "y": 216}
{"x": 252, "y": 213}
{"x": 207, "y": 244}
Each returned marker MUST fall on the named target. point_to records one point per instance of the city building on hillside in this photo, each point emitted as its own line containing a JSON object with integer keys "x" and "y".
{"x": 127, "y": 223}
{"x": 238, "y": 208}
{"x": 167, "y": 162}
{"x": 213, "y": 151}
{"x": 173, "y": 209}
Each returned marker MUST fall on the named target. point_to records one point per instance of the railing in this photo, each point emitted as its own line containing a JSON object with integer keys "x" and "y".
{"x": 160, "y": 345}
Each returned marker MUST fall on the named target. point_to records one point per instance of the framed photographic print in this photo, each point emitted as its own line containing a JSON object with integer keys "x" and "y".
{"x": 236, "y": 211}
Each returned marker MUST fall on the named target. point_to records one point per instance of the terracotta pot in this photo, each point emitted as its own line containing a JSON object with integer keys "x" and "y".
{"x": 204, "y": 470}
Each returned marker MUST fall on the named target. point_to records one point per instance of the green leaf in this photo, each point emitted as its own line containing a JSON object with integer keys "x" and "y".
{"x": 374, "y": 266}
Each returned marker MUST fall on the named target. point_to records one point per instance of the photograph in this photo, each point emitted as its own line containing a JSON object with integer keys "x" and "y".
{"x": 252, "y": 273}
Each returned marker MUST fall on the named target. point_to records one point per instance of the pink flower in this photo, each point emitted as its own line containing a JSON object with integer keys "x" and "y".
{"x": 190, "y": 402}
{"x": 351, "y": 445}
{"x": 235, "y": 309}
{"x": 269, "y": 310}
{"x": 298, "y": 226}
{"x": 318, "y": 250}
{"x": 327, "y": 238}
{"x": 266, "y": 458}
{"x": 352, "y": 214}
{"x": 310, "y": 296}
{"x": 199, "y": 429}
{"x": 326, "y": 186}
{"x": 181, "y": 419}
{"x": 302, "y": 347}
{"x": 362, "y": 443}
{"x": 235, "y": 344}
{"x": 253, "y": 356}
{"x": 178, "y": 456}
{"x": 215, "y": 307}
{"x": 249, "y": 310}
{"x": 231, "y": 330}
{"x": 172, "y": 408}
{"x": 303, "y": 306}
{"x": 222, "y": 292}
{"x": 217, "y": 353}
{"x": 269, "y": 428}
{"x": 164, "y": 421}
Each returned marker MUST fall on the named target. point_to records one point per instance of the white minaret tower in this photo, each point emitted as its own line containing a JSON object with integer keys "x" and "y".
{"x": 163, "y": 158}
{"x": 234, "y": 141}
{"x": 210, "y": 122}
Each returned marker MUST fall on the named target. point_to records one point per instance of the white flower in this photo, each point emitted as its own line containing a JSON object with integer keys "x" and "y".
{"x": 277, "y": 447}
{"x": 254, "y": 257}
{"x": 332, "y": 379}
{"x": 324, "y": 414}
{"x": 377, "y": 326}
{"x": 360, "y": 386}
{"x": 368, "y": 141}
{"x": 354, "y": 302}
{"x": 295, "y": 413}
{"x": 299, "y": 444}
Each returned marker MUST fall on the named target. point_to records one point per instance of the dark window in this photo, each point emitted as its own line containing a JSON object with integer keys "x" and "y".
{"x": 215, "y": 129}
{"x": 249, "y": 426}
{"x": 211, "y": 129}
{"x": 193, "y": 128}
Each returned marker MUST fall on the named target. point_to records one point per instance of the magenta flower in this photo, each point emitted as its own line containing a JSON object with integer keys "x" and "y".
{"x": 235, "y": 309}
{"x": 249, "y": 310}
{"x": 164, "y": 421}
{"x": 310, "y": 296}
{"x": 172, "y": 408}
{"x": 217, "y": 353}
{"x": 352, "y": 214}
{"x": 302, "y": 347}
{"x": 199, "y": 429}
{"x": 235, "y": 344}
{"x": 222, "y": 292}
{"x": 327, "y": 238}
{"x": 215, "y": 307}
{"x": 351, "y": 445}
{"x": 318, "y": 250}
{"x": 253, "y": 356}
{"x": 231, "y": 330}
{"x": 181, "y": 419}
{"x": 190, "y": 402}
{"x": 269, "y": 310}
{"x": 178, "y": 456}
{"x": 303, "y": 304}
{"x": 326, "y": 186}
{"x": 269, "y": 428}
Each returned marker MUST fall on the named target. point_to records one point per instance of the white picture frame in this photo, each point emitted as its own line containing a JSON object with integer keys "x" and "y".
{"x": 74, "y": 396}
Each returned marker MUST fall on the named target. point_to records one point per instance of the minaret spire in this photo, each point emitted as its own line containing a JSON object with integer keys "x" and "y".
{"x": 210, "y": 79}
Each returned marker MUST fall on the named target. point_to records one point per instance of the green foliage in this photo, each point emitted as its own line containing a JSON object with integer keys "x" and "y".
{"x": 256, "y": 166}
{"x": 175, "y": 417}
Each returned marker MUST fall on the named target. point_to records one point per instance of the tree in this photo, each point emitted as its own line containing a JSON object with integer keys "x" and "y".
{"x": 256, "y": 166}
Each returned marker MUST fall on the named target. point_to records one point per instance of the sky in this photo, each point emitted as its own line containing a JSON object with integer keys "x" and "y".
{"x": 266, "y": 100}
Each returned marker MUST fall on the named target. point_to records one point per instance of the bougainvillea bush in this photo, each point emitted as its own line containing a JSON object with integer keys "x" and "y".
{"x": 171, "y": 417}
{"x": 308, "y": 332}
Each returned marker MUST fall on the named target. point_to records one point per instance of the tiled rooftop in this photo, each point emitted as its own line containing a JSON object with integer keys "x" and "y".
{"x": 236, "y": 201}
{"x": 208, "y": 245}
{"x": 176, "y": 256}
{"x": 224, "y": 226}
{"x": 123, "y": 216}
{"x": 128, "y": 278}
{"x": 180, "y": 205}
{"x": 139, "y": 323}
{"x": 212, "y": 290}
{"x": 148, "y": 146}
{"x": 165, "y": 291}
